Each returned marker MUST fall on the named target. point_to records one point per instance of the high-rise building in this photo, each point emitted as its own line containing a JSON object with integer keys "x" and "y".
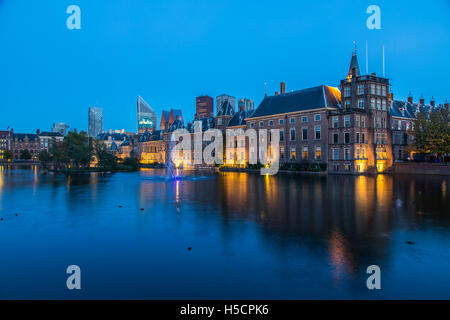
{"x": 204, "y": 107}
{"x": 246, "y": 104}
{"x": 224, "y": 97}
{"x": 60, "y": 127}
{"x": 95, "y": 121}
{"x": 146, "y": 117}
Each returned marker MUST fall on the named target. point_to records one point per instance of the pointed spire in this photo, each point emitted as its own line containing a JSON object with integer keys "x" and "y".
{"x": 354, "y": 64}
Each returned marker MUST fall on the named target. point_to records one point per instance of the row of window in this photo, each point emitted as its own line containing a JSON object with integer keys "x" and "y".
{"x": 360, "y": 153}
{"x": 360, "y": 137}
{"x": 304, "y": 154}
{"x": 360, "y": 121}
{"x": 304, "y": 119}
{"x": 402, "y": 125}
{"x": 378, "y": 90}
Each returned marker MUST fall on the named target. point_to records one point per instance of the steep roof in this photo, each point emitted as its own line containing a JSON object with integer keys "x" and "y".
{"x": 239, "y": 118}
{"x": 226, "y": 109}
{"x": 404, "y": 109}
{"x": 354, "y": 64}
{"x": 307, "y": 99}
{"x": 21, "y": 136}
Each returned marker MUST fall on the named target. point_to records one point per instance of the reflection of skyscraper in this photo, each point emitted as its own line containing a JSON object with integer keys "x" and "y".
{"x": 95, "y": 121}
{"x": 146, "y": 117}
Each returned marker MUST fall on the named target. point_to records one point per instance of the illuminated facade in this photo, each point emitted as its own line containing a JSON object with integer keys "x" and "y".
{"x": 146, "y": 117}
{"x": 360, "y": 137}
{"x": 5, "y": 142}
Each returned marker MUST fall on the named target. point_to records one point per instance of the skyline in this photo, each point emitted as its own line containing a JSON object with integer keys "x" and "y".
{"x": 106, "y": 66}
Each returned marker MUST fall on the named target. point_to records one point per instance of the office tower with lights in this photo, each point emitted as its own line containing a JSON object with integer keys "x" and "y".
{"x": 95, "y": 121}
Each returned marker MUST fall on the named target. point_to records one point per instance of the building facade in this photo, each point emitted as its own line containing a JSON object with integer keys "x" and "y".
{"x": 46, "y": 139}
{"x": 60, "y": 127}
{"x": 22, "y": 142}
{"x": 246, "y": 105}
{"x": 220, "y": 100}
{"x": 5, "y": 142}
{"x": 146, "y": 116}
{"x": 95, "y": 126}
{"x": 204, "y": 107}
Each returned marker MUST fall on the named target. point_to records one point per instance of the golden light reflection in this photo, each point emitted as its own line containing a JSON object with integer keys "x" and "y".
{"x": 341, "y": 258}
{"x": 1, "y": 177}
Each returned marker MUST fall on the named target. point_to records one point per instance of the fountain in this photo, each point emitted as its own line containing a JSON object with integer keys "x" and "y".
{"x": 175, "y": 171}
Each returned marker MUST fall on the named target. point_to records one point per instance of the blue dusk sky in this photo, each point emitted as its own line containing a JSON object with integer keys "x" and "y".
{"x": 169, "y": 52}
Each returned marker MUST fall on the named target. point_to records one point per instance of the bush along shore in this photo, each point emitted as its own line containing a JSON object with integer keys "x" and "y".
{"x": 302, "y": 167}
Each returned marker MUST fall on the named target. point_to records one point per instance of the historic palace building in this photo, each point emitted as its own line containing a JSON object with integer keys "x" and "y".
{"x": 355, "y": 128}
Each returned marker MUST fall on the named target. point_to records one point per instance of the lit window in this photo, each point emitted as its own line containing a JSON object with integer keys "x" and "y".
{"x": 305, "y": 153}
{"x": 292, "y": 153}
{"x": 318, "y": 153}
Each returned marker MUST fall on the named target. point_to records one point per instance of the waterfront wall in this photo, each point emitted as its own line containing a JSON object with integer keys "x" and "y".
{"x": 421, "y": 168}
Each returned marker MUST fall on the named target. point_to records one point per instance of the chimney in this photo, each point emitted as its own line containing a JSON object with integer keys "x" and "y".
{"x": 432, "y": 102}
{"x": 282, "y": 87}
{"x": 38, "y": 131}
{"x": 446, "y": 103}
{"x": 391, "y": 96}
{"x": 422, "y": 100}
{"x": 410, "y": 98}
{"x": 276, "y": 93}
{"x": 374, "y": 74}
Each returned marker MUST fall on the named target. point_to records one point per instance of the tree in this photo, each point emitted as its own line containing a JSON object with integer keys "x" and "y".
{"x": 8, "y": 155}
{"x": 104, "y": 158}
{"x": 44, "y": 158}
{"x": 432, "y": 135}
{"x": 25, "y": 154}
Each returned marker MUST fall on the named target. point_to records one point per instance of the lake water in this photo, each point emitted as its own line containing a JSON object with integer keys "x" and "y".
{"x": 252, "y": 236}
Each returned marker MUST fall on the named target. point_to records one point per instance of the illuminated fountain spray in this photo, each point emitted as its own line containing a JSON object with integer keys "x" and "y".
{"x": 174, "y": 169}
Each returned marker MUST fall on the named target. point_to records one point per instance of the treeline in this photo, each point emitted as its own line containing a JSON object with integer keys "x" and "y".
{"x": 77, "y": 151}
{"x": 432, "y": 134}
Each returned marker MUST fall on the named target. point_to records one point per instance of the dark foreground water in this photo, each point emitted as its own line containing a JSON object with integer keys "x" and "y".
{"x": 252, "y": 237}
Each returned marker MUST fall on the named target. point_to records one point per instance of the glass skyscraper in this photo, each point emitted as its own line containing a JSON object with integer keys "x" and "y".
{"x": 95, "y": 121}
{"x": 146, "y": 117}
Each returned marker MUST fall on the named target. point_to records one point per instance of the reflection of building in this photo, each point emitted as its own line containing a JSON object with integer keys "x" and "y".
{"x": 5, "y": 142}
{"x": 204, "y": 107}
{"x": 60, "y": 127}
{"x": 47, "y": 138}
{"x": 246, "y": 104}
{"x": 224, "y": 97}
{"x": 95, "y": 121}
{"x": 146, "y": 117}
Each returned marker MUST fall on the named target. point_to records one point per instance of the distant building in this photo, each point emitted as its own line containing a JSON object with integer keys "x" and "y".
{"x": 60, "y": 127}
{"x": 164, "y": 124}
{"x": 47, "y": 138}
{"x": 204, "y": 107}
{"x": 25, "y": 141}
{"x": 5, "y": 142}
{"x": 246, "y": 105}
{"x": 220, "y": 100}
{"x": 95, "y": 121}
{"x": 146, "y": 117}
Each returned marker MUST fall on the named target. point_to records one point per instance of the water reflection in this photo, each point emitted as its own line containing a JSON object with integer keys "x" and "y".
{"x": 254, "y": 233}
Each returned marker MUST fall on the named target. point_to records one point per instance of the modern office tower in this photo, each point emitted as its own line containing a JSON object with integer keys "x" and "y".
{"x": 204, "y": 107}
{"x": 246, "y": 104}
{"x": 146, "y": 117}
{"x": 224, "y": 97}
{"x": 95, "y": 121}
{"x": 60, "y": 127}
